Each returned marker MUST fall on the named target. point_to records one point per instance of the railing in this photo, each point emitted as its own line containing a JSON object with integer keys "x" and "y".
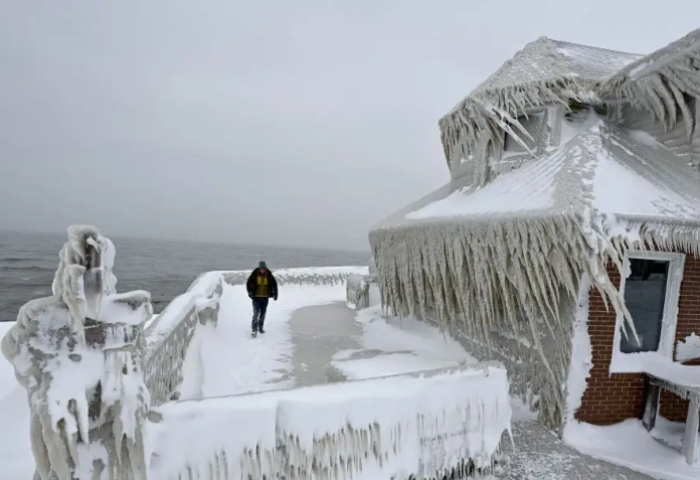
{"x": 362, "y": 292}
{"x": 169, "y": 336}
{"x": 357, "y": 296}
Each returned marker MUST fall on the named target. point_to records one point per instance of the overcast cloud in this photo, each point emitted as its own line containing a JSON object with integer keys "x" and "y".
{"x": 298, "y": 123}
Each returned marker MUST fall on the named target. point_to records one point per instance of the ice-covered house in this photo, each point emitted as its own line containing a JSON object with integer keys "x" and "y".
{"x": 572, "y": 215}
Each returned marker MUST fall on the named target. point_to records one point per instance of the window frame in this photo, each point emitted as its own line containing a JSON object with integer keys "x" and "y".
{"x": 625, "y": 362}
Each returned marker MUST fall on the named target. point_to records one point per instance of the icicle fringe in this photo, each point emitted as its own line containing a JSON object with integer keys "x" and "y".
{"x": 520, "y": 275}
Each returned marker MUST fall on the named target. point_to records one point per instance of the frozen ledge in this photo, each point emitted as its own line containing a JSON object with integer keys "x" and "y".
{"x": 424, "y": 424}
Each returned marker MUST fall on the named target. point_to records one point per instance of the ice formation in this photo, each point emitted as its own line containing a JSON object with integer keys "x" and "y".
{"x": 358, "y": 292}
{"x": 581, "y": 356}
{"x": 688, "y": 348}
{"x": 504, "y": 247}
{"x": 424, "y": 426}
{"x": 78, "y": 354}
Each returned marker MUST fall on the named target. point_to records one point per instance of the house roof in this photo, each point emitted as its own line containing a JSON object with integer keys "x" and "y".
{"x": 548, "y": 72}
{"x": 547, "y": 60}
{"x": 603, "y": 169}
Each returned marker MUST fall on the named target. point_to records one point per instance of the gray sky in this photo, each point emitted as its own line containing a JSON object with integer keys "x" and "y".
{"x": 290, "y": 122}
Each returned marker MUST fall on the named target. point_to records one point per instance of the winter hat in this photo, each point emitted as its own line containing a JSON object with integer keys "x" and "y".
{"x": 262, "y": 265}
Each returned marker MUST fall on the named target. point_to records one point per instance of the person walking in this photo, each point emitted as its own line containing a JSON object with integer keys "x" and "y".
{"x": 261, "y": 286}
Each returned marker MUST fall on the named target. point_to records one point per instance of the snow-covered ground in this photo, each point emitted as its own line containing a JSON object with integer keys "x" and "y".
{"x": 395, "y": 345}
{"x": 629, "y": 444}
{"x": 15, "y": 452}
{"x": 405, "y": 344}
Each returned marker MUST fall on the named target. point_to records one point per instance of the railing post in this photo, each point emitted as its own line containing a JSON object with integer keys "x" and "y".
{"x": 691, "y": 440}
{"x": 79, "y": 355}
{"x": 652, "y": 395}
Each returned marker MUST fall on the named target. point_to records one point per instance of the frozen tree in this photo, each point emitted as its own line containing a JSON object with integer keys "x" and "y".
{"x": 78, "y": 353}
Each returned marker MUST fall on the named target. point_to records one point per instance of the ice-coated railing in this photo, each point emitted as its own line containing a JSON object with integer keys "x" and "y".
{"x": 362, "y": 291}
{"x": 437, "y": 424}
{"x": 357, "y": 292}
{"x": 169, "y": 335}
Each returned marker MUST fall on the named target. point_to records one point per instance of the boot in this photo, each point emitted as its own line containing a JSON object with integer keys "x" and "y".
{"x": 260, "y": 326}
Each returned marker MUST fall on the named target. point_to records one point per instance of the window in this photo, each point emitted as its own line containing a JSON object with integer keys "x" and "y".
{"x": 651, "y": 293}
{"x": 645, "y": 295}
{"x": 579, "y": 111}
{"x": 531, "y": 123}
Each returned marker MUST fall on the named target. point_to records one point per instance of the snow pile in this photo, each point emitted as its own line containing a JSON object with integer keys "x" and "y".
{"x": 423, "y": 425}
{"x": 395, "y": 345}
{"x": 16, "y": 454}
{"x": 78, "y": 355}
{"x": 630, "y": 445}
{"x": 688, "y": 348}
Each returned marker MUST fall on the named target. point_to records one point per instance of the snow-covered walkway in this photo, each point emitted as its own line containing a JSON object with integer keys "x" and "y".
{"x": 318, "y": 333}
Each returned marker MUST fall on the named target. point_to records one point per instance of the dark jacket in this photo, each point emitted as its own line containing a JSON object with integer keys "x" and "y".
{"x": 252, "y": 283}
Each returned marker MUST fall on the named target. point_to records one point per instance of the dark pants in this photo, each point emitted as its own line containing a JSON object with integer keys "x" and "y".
{"x": 259, "y": 311}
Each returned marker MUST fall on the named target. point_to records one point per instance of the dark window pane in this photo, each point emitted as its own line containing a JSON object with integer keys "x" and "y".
{"x": 530, "y": 123}
{"x": 645, "y": 294}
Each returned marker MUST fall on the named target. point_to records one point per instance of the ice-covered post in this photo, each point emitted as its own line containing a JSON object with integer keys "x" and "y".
{"x": 78, "y": 354}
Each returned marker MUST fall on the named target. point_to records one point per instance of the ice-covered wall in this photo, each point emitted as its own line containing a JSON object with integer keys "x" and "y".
{"x": 441, "y": 424}
{"x": 537, "y": 375}
{"x": 169, "y": 335}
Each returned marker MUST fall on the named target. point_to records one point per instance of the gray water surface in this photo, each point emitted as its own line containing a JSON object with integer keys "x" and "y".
{"x": 166, "y": 268}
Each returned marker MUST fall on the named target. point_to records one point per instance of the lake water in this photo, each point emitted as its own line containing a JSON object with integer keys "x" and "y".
{"x": 166, "y": 268}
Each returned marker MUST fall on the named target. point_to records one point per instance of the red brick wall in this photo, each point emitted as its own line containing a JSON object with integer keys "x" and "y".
{"x": 613, "y": 398}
